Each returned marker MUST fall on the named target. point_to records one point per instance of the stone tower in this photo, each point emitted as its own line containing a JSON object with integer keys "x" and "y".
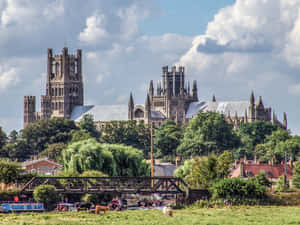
{"x": 29, "y": 110}
{"x": 64, "y": 85}
{"x": 64, "y": 88}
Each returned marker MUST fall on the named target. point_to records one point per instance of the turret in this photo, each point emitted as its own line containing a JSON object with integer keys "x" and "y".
{"x": 130, "y": 107}
{"x": 195, "y": 91}
{"x": 151, "y": 89}
{"x": 147, "y": 110}
{"x": 214, "y": 98}
{"x": 252, "y": 99}
{"x": 29, "y": 109}
{"x": 158, "y": 88}
{"x": 285, "y": 123}
{"x": 260, "y": 102}
{"x": 252, "y": 108}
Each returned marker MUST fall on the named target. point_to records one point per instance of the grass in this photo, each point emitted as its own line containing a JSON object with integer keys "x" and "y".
{"x": 236, "y": 215}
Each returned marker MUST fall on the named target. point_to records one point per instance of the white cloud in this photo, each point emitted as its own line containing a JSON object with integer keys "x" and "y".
{"x": 95, "y": 29}
{"x": 8, "y": 77}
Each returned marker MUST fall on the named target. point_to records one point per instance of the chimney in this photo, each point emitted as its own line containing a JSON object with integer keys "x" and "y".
{"x": 242, "y": 174}
{"x": 255, "y": 159}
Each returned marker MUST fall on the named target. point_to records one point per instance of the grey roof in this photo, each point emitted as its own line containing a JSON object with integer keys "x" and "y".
{"x": 157, "y": 115}
{"x": 225, "y": 108}
{"x": 30, "y": 162}
{"x": 101, "y": 112}
{"x": 164, "y": 170}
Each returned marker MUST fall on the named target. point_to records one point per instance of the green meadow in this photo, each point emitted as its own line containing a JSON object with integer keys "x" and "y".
{"x": 242, "y": 215}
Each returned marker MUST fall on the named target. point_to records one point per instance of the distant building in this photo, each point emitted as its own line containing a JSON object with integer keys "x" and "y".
{"x": 42, "y": 166}
{"x": 250, "y": 168}
{"x": 64, "y": 88}
{"x": 173, "y": 100}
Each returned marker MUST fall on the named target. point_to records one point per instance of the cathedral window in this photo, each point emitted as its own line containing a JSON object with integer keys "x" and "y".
{"x": 57, "y": 67}
{"x": 55, "y": 91}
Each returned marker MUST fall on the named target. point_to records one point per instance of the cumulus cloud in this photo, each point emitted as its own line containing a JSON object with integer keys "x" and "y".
{"x": 8, "y": 77}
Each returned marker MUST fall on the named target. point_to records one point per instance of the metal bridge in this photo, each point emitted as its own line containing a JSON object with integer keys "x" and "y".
{"x": 129, "y": 185}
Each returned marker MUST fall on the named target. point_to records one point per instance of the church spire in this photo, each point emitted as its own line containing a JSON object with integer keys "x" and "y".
{"x": 252, "y": 98}
{"x": 151, "y": 89}
{"x": 214, "y": 98}
{"x": 130, "y": 107}
{"x": 285, "y": 120}
{"x": 260, "y": 102}
{"x": 195, "y": 91}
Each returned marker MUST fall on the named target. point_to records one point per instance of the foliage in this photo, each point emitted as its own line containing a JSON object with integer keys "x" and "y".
{"x": 19, "y": 150}
{"x": 3, "y": 138}
{"x": 46, "y": 194}
{"x": 167, "y": 139}
{"x": 276, "y": 144}
{"x": 281, "y": 186}
{"x": 261, "y": 179}
{"x": 93, "y": 173}
{"x": 129, "y": 133}
{"x": 296, "y": 175}
{"x": 53, "y": 151}
{"x": 202, "y": 172}
{"x": 87, "y": 124}
{"x": 237, "y": 190}
{"x": 88, "y": 155}
{"x": 252, "y": 134}
{"x": 208, "y": 132}
{"x": 40, "y": 134}
{"x": 129, "y": 161}
{"x": 9, "y": 171}
{"x": 13, "y": 136}
{"x": 80, "y": 135}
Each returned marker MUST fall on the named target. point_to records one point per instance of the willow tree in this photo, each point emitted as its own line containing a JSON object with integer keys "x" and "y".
{"x": 88, "y": 155}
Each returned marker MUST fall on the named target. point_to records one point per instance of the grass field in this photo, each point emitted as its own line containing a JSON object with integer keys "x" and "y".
{"x": 235, "y": 215}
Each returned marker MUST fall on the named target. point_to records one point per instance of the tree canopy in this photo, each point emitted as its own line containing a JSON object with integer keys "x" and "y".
{"x": 207, "y": 132}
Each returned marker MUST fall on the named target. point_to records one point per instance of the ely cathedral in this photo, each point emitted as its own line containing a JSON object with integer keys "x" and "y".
{"x": 173, "y": 99}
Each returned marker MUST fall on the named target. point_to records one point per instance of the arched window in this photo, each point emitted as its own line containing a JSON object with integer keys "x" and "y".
{"x": 138, "y": 113}
{"x": 57, "y": 67}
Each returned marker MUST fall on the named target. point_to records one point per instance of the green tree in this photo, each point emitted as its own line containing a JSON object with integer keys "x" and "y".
{"x": 296, "y": 175}
{"x": 53, "y": 151}
{"x": 167, "y": 139}
{"x": 88, "y": 155}
{"x": 207, "y": 132}
{"x": 129, "y": 133}
{"x": 87, "y": 124}
{"x": 13, "y": 136}
{"x": 46, "y": 194}
{"x": 40, "y": 134}
{"x": 276, "y": 144}
{"x": 224, "y": 162}
{"x": 261, "y": 179}
{"x": 3, "y": 138}
{"x": 129, "y": 161}
{"x": 80, "y": 135}
{"x": 9, "y": 171}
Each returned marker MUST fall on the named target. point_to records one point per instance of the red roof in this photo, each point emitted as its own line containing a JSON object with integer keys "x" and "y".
{"x": 272, "y": 171}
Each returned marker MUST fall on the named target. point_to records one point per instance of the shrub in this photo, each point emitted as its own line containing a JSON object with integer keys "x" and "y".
{"x": 296, "y": 178}
{"x": 281, "y": 186}
{"x": 237, "y": 190}
{"x": 47, "y": 195}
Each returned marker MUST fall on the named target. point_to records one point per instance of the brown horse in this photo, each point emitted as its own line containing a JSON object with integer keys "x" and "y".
{"x": 101, "y": 208}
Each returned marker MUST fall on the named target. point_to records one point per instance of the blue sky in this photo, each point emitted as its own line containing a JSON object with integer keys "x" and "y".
{"x": 182, "y": 17}
{"x": 232, "y": 47}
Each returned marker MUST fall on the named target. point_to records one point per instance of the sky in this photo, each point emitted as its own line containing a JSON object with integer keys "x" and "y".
{"x": 231, "y": 47}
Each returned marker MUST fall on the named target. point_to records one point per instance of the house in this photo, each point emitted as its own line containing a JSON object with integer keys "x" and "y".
{"x": 251, "y": 168}
{"x": 42, "y": 166}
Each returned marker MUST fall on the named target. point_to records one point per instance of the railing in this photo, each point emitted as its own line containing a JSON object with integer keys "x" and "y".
{"x": 109, "y": 184}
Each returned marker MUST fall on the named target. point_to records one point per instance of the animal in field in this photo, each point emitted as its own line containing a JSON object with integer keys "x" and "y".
{"x": 167, "y": 211}
{"x": 101, "y": 208}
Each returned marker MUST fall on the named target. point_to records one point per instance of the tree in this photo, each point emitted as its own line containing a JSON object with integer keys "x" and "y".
{"x": 207, "y": 132}
{"x": 47, "y": 195}
{"x": 276, "y": 144}
{"x": 40, "y": 134}
{"x": 88, "y": 155}
{"x": 87, "y": 124}
{"x": 3, "y": 138}
{"x": 261, "y": 179}
{"x": 224, "y": 162}
{"x": 13, "y": 136}
{"x": 53, "y": 151}
{"x": 129, "y": 133}
{"x": 129, "y": 161}
{"x": 9, "y": 171}
{"x": 167, "y": 139}
{"x": 80, "y": 135}
{"x": 296, "y": 176}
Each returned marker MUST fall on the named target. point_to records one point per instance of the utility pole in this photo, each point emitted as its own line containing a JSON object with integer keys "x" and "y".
{"x": 152, "y": 159}
{"x": 285, "y": 172}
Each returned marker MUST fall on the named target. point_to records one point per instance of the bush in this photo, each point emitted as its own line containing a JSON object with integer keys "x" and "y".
{"x": 238, "y": 191}
{"x": 281, "y": 186}
{"x": 296, "y": 172}
{"x": 47, "y": 195}
{"x": 9, "y": 171}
